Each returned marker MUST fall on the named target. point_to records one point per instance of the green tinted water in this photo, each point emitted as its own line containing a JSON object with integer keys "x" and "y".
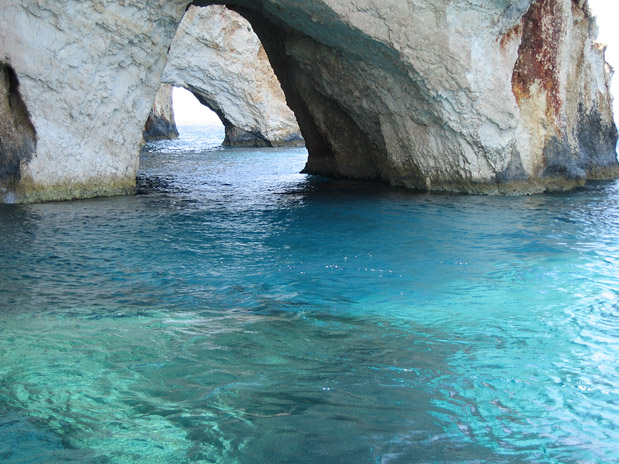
{"x": 236, "y": 311}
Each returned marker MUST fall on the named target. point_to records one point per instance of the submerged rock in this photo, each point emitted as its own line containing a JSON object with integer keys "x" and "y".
{"x": 497, "y": 97}
{"x": 217, "y": 56}
{"x": 160, "y": 124}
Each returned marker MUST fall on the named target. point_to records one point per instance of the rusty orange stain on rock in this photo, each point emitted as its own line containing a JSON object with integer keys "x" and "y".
{"x": 538, "y": 54}
{"x": 514, "y": 32}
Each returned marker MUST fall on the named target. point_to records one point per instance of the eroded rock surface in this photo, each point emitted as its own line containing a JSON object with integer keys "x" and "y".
{"x": 561, "y": 84}
{"x": 508, "y": 96}
{"x": 88, "y": 73}
{"x": 503, "y": 97}
{"x": 160, "y": 124}
{"x": 217, "y": 56}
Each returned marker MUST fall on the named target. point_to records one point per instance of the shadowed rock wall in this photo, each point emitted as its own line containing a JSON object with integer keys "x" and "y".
{"x": 17, "y": 135}
{"x": 160, "y": 124}
{"x": 509, "y": 96}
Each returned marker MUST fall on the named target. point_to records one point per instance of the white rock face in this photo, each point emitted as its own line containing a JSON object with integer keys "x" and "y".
{"x": 508, "y": 96}
{"x": 502, "y": 97}
{"x": 217, "y": 56}
{"x": 88, "y": 73}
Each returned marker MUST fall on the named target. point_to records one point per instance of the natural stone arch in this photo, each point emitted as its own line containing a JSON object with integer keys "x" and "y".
{"x": 421, "y": 94}
{"x": 426, "y": 94}
{"x": 217, "y": 56}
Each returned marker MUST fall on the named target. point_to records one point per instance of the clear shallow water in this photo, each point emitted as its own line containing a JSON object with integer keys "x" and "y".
{"x": 237, "y": 311}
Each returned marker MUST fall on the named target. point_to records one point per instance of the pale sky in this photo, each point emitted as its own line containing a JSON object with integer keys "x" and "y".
{"x": 187, "y": 109}
{"x": 607, "y": 12}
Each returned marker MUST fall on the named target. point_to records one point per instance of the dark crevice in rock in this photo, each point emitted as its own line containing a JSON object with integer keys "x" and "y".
{"x": 559, "y": 164}
{"x": 353, "y": 149}
{"x": 597, "y": 142}
{"x": 17, "y": 134}
{"x": 514, "y": 171}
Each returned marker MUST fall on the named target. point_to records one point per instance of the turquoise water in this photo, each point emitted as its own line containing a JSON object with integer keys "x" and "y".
{"x": 236, "y": 311}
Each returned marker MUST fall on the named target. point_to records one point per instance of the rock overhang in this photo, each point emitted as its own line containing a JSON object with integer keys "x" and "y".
{"x": 427, "y": 94}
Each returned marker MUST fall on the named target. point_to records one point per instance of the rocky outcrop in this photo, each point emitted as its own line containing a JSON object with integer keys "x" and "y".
{"x": 440, "y": 95}
{"x": 217, "y": 56}
{"x": 88, "y": 73}
{"x": 561, "y": 84}
{"x": 492, "y": 97}
{"x": 160, "y": 124}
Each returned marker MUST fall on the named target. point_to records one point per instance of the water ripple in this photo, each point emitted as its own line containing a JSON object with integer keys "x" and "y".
{"x": 237, "y": 311}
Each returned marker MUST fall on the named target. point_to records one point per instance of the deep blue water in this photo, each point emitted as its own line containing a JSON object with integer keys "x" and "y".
{"x": 236, "y": 311}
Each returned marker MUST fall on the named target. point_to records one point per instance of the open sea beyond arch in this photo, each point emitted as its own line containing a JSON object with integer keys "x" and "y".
{"x": 236, "y": 311}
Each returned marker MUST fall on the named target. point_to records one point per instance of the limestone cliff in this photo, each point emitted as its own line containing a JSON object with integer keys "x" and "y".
{"x": 217, "y": 56}
{"x": 160, "y": 124}
{"x": 88, "y": 73}
{"x": 508, "y": 96}
{"x": 502, "y": 97}
{"x": 561, "y": 85}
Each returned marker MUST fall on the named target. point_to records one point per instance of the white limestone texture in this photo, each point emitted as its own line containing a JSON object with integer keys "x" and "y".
{"x": 217, "y": 56}
{"x": 88, "y": 72}
{"x": 501, "y": 97}
{"x": 496, "y": 97}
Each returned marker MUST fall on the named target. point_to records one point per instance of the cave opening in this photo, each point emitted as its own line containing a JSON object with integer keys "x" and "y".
{"x": 17, "y": 133}
{"x": 219, "y": 75}
{"x": 189, "y": 111}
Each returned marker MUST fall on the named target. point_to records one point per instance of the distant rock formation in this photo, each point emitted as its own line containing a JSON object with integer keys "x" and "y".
{"x": 217, "y": 56}
{"x": 442, "y": 95}
{"x": 160, "y": 124}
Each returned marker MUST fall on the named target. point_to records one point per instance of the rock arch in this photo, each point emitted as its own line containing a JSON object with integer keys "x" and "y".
{"x": 217, "y": 56}
{"x": 439, "y": 96}
{"x": 431, "y": 94}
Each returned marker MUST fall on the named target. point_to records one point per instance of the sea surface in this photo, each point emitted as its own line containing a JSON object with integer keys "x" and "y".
{"x": 236, "y": 311}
